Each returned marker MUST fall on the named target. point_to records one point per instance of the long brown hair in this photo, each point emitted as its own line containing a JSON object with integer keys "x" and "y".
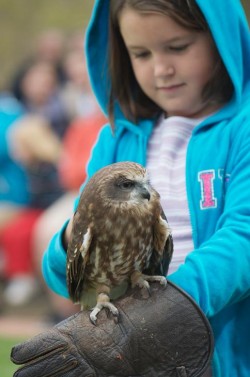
{"x": 124, "y": 87}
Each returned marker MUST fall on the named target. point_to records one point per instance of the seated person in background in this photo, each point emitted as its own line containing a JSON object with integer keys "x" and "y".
{"x": 34, "y": 144}
{"x": 48, "y": 46}
{"x": 39, "y": 91}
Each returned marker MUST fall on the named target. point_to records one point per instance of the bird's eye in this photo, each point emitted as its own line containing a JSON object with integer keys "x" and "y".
{"x": 126, "y": 185}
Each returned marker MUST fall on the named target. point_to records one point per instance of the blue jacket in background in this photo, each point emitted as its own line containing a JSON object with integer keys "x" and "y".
{"x": 217, "y": 272}
{"x": 13, "y": 180}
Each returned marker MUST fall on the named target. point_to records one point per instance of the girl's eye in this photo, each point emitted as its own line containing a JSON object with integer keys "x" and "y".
{"x": 141, "y": 55}
{"x": 178, "y": 48}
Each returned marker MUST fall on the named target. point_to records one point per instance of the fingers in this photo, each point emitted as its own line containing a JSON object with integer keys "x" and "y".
{"x": 38, "y": 347}
{"x": 52, "y": 354}
{"x": 56, "y": 365}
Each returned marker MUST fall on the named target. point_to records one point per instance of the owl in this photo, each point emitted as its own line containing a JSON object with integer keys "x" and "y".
{"x": 120, "y": 237}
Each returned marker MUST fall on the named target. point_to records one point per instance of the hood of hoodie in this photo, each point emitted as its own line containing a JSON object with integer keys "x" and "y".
{"x": 230, "y": 30}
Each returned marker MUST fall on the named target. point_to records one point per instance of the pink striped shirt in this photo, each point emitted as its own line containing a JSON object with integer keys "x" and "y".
{"x": 166, "y": 164}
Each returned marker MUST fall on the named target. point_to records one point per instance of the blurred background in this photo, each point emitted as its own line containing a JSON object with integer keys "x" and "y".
{"x": 21, "y": 23}
{"x": 49, "y": 121}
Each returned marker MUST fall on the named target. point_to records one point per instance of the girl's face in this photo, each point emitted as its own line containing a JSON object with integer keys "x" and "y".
{"x": 171, "y": 64}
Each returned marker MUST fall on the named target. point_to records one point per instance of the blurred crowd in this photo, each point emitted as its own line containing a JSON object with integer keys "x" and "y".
{"x": 49, "y": 121}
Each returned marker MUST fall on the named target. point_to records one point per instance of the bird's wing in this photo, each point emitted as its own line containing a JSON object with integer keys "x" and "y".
{"x": 163, "y": 247}
{"x": 78, "y": 254}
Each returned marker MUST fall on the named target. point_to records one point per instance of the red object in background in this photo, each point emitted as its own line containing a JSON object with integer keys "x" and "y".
{"x": 16, "y": 243}
{"x": 77, "y": 145}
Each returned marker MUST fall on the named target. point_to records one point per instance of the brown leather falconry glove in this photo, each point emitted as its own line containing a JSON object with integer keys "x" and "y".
{"x": 165, "y": 335}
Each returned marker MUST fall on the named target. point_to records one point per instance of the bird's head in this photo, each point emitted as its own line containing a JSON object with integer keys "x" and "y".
{"x": 124, "y": 182}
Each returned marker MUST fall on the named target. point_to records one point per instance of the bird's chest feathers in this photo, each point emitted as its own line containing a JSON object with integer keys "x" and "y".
{"x": 119, "y": 248}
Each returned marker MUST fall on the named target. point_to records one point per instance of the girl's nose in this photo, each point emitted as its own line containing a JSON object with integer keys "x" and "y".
{"x": 163, "y": 67}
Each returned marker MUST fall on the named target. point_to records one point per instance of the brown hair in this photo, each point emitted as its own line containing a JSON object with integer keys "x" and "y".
{"x": 124, "y": 87}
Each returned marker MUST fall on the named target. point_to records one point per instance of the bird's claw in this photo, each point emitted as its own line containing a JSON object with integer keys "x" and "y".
{"x": 94, "y": 313}
{"x": 93, "y": 320}
{"x": 108, "y": 305}
{"x": 116, "y": 317}
{"x": 142, "y": 281}
{"x": 163, "y": 281}
{"x": 145, "y": 292}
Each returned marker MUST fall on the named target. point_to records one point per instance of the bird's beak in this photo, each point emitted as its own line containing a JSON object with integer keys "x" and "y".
{"x": 145, "y": 193}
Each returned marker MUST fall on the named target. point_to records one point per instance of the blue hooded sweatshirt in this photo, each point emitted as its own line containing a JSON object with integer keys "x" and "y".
{"x": 13, "y": 180}
{"x": 217, "y": 272}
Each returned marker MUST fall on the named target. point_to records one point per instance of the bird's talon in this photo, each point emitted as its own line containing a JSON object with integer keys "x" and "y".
{"x": 116, "y": 318}
{"x": 115, "y": 311}
{"x": 145, "y": 292}
{"x": 93, "y": 320}
{"x": 93, "y": 314}
{"x": 164, "y": 283}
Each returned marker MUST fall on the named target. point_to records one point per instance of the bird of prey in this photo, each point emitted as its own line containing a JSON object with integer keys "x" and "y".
{"x": 120, "y": 236}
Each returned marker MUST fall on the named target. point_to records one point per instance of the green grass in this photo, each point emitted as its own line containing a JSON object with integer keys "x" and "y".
{"x": 7, "y": 368}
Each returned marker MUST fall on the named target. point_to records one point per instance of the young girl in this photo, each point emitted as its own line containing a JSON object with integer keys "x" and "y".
{"x": 176, "y": 87}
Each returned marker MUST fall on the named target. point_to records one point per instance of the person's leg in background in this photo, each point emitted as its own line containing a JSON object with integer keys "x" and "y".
{"x": 16, "y": 245}
{"x": 7, "y": 213}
